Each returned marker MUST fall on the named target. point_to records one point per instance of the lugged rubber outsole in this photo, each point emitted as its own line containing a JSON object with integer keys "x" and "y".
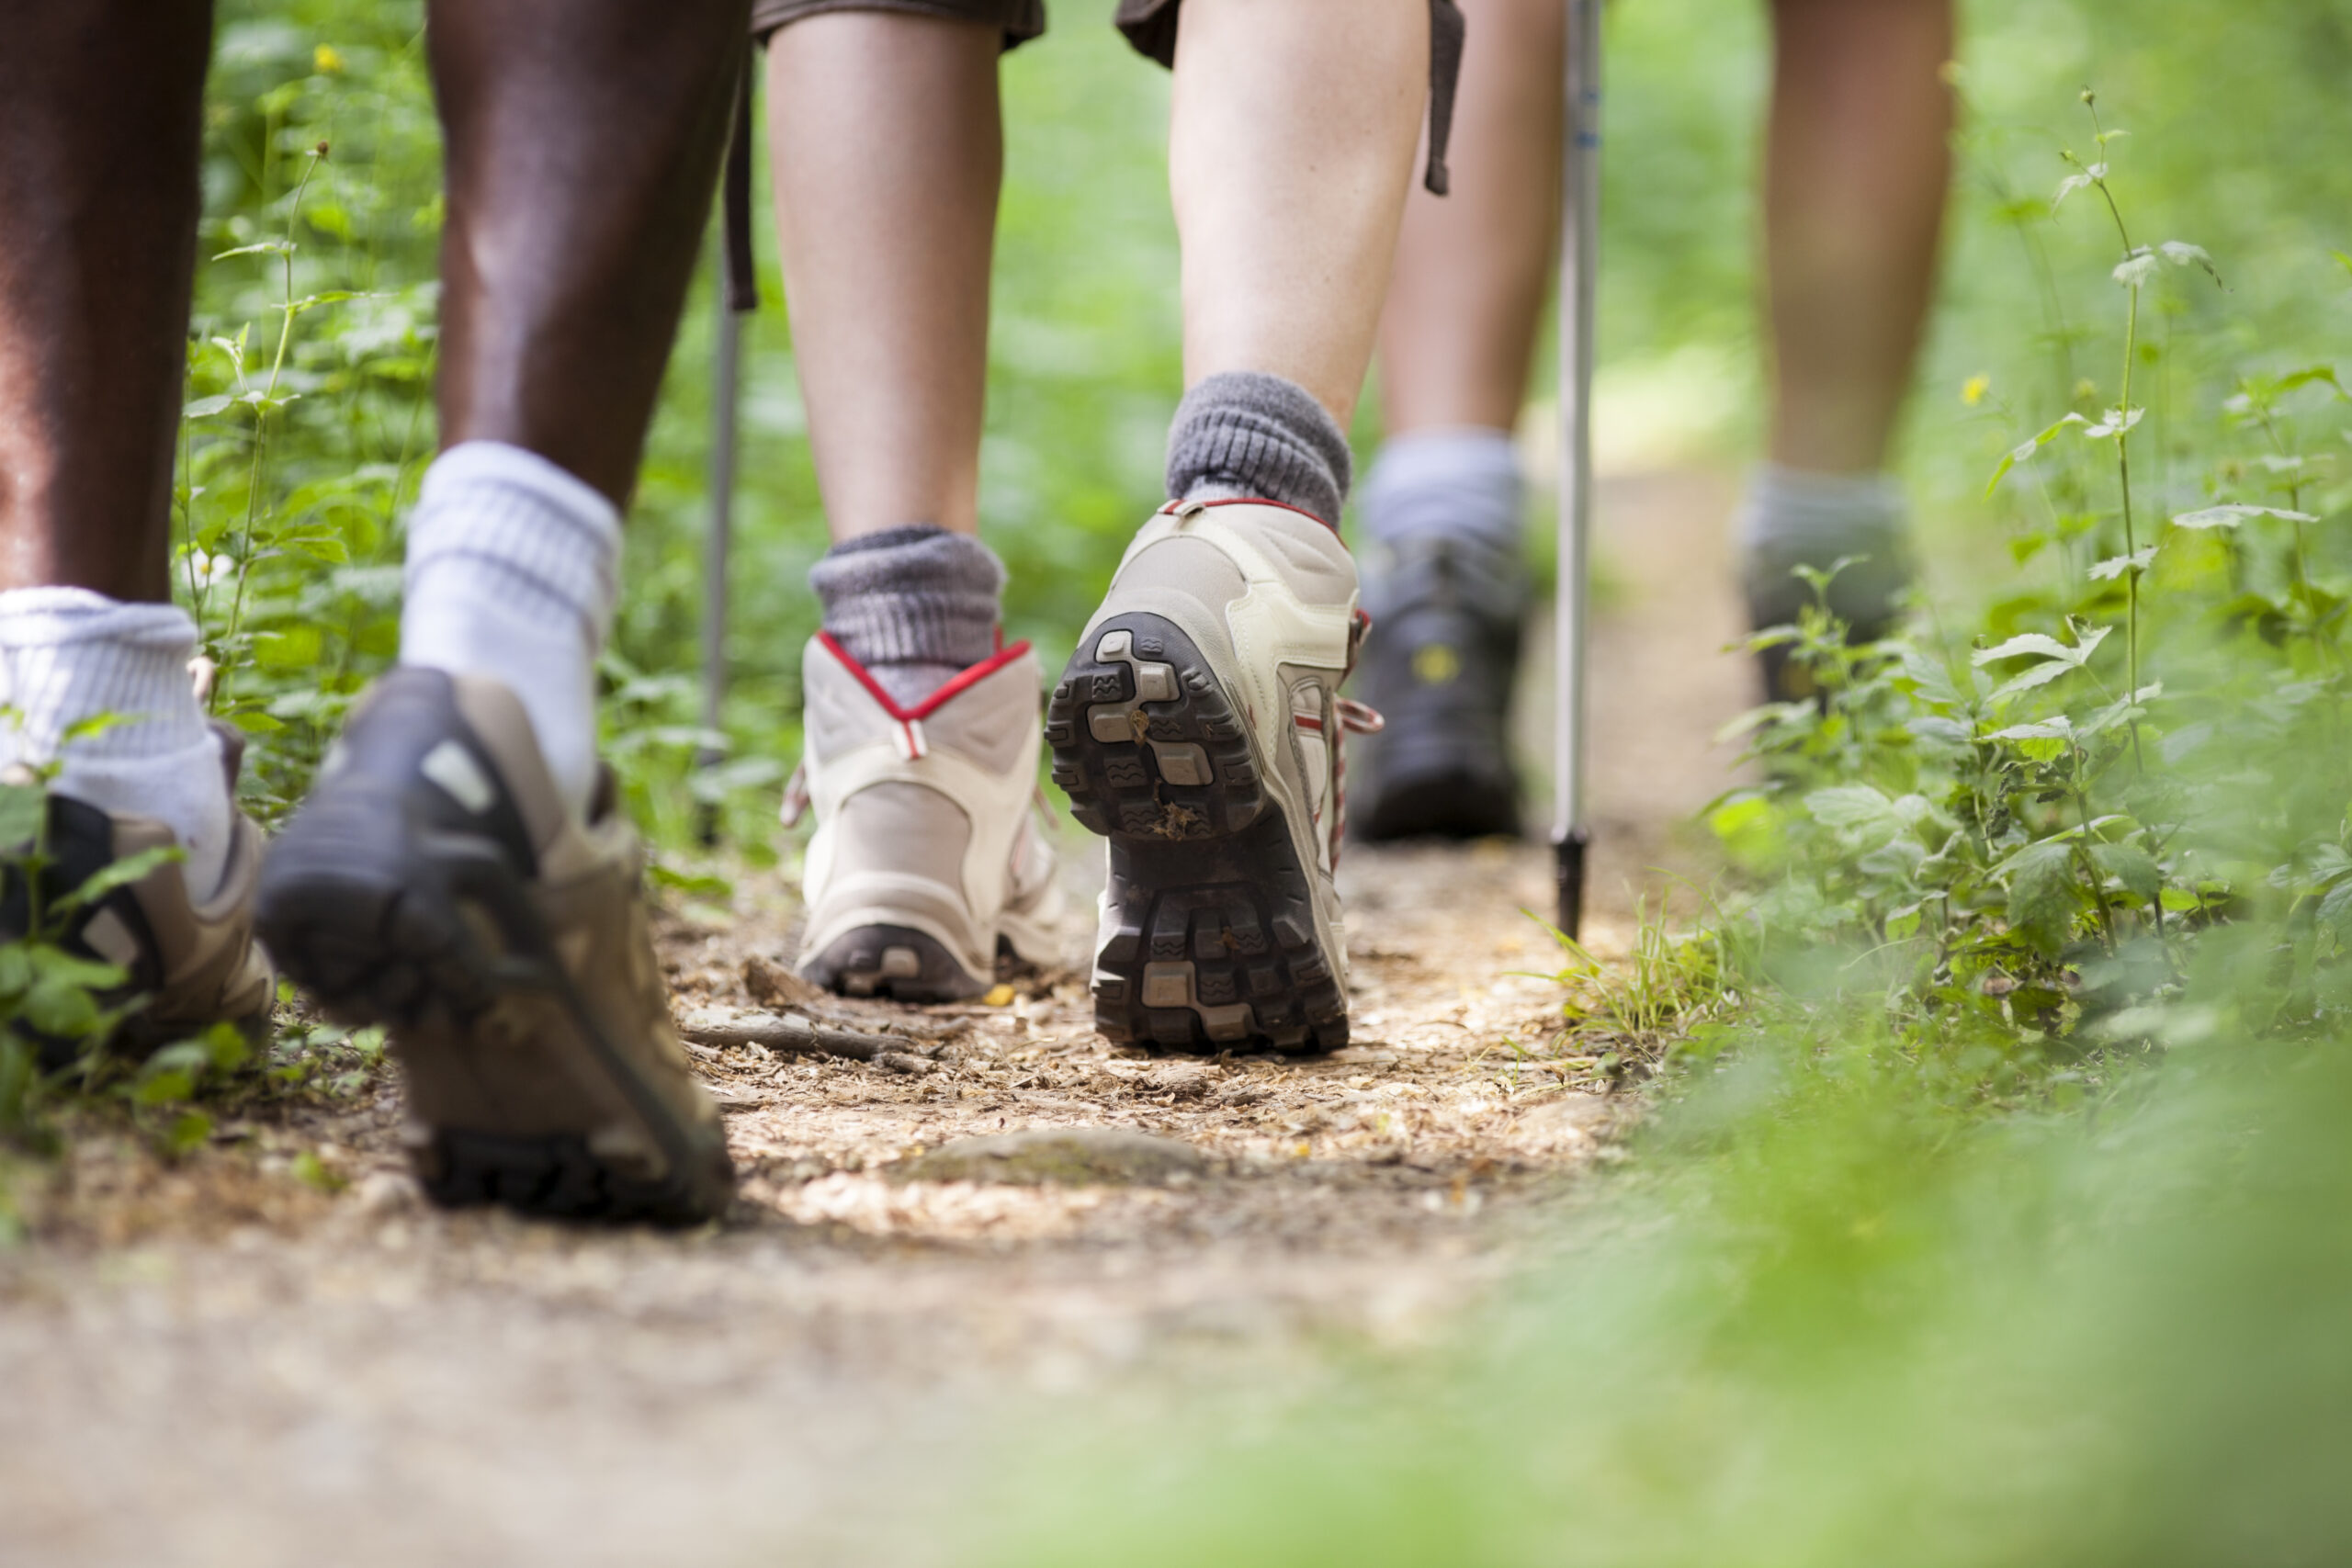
{"x": 425, "y": 938}
{"x": 895, "y": 962}
{"x": 1209, "y": 941}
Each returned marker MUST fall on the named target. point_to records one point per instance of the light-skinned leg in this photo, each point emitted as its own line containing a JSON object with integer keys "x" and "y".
{"x": 1855, "y": 174}
{"x": 887, "y": 237}
{"x": 1290, "y": 154}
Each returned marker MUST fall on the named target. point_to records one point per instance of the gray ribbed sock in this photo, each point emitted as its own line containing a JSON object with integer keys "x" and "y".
{"x": 1443, "y": 512}
{"x": 915, "y": 605}
{"x": 1462, "y": 484}
{"x": 1246, "y": 435}
{"x": 1792, "y": 518}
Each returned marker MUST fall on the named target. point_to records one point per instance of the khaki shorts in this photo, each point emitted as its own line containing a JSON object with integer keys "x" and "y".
{"x": 1150, "y": 25}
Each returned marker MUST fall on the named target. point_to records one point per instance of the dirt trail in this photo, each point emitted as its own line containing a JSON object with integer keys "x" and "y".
{"x": 217, "y": 1362}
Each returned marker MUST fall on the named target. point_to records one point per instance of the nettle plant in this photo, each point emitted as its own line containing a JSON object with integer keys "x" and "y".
{"x": 2042, "y": 832}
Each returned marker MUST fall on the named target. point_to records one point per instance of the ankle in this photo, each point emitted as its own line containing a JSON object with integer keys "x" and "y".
{"x": 914, "y": 606}
{"x": 1245, "y": 435}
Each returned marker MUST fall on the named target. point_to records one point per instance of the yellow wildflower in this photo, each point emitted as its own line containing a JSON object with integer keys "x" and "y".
{"x": 325, "y": 57}
{"x": 1972, "y": 390}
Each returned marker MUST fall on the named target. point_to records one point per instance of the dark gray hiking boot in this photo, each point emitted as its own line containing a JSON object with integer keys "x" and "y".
{"x": 1440, "y": 664}
{"x": 1197, "y": 727}
{"x": 194, "y": 962}
{"x": 1791, "y": 520}
{"x": 435, "y": 883}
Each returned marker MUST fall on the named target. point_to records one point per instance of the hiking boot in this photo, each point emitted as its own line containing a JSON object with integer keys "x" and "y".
{"x": 1858, "y": 520}
{"x": 926, "y": 866}
{"x": 196, "y": 963}
{"x": 1441, "y": 668}
{"x": 435, "y": 883}
{"x": 1198, "y": 726}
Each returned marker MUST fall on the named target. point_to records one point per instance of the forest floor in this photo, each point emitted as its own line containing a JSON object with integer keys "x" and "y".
{"x": 271, "y": 1351}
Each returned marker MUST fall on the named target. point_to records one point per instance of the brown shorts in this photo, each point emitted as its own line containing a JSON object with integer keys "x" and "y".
{"x": 1150, "y": 25}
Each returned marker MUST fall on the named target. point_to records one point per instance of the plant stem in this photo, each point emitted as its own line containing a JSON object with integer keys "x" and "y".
{"x": 288, "y": 310}
{"x": 2131, "y": 539}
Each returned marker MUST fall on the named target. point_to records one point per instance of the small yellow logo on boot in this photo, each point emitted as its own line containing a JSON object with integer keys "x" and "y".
{"x": 1435, "y": 663}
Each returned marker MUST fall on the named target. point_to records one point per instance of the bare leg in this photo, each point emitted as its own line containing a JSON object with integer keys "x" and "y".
{"x": 1473, "y": 268}
{"x": 1289, "y": 158}
{"x": 887, "y": 238}
{"x": 100, "y": 114}
{"x": 583, "y": 143}
{"x": 1854, "y": 188}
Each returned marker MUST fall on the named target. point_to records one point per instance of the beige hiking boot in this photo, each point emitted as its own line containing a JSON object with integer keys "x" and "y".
{"x": 1198, "y": 728}
{"x": 196, "y": 963}
{"x": 926, "y": 863}
{"x": 434, "y": 882}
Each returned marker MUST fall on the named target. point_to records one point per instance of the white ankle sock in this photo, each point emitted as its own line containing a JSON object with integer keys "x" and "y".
{"x": 70, "y": 655}
{"x": 512, "y": 573}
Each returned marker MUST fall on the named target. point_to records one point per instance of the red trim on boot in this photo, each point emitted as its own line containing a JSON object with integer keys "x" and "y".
{"x": 954, "y": 686}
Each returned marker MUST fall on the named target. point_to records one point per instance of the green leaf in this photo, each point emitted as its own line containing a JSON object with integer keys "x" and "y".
{"x": 2043, "y": 894}
{"x": 2059, "y": 728}
{"x": 189, "y": 1130}
{"x": 2181, "y": 253}
{"x": 2026, "y": 450}
{"x": 121, "y": 873}
{"x": 59, "y": 1007}
{"x": 2335, "y": 910}
{"x": 2116, "y": 566}
{"x": 22, "y": 808}
{"x": 267, "y": 247}
{"x": 164, "y": 1088}
{"x": 2114, "y": 423}
{"x": 205, "y": 408}
{"x": 2028, "y": 642}
{"x": 2235, "y": 512}
{"x": 2039, "y": 675}
{"x": 312, "y": 1172}
{"x": 16, "y": 970}
{"x": 2131, "y": 865}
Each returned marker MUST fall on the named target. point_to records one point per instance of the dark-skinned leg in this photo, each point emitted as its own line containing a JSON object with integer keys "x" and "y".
{"x": 457, "y": 877}
{"x": 585, "y": 138}
{"x": 584, "y": 142}
{"x": 101, "y": 110}
{"x": 101, "y": 105}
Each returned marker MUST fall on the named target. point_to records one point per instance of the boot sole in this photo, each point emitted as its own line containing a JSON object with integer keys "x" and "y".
{"x": 899, "y": 963}
{"x": 1210, "y": 914}
{"x": 434, "y": 937}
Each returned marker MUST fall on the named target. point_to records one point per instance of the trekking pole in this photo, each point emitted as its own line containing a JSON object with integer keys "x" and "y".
{"x": 727, "y": 381}
{"x": 738, "y": 292}
{"x": 1579, "y": 258}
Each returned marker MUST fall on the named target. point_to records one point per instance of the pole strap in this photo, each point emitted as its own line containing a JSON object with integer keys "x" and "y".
{"x": 1447, "y": 29}
{"x": 742, "y": 280}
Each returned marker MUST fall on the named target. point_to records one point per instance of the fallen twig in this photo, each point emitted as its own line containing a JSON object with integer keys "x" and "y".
{"x": 789, "y": 1034}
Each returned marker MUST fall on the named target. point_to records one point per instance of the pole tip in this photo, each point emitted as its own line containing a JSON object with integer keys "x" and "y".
{"x": 1568, "y": 877}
